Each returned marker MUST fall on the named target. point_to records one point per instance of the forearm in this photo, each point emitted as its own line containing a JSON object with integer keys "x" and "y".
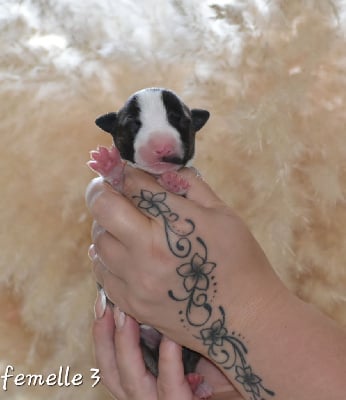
{"x": 292, "y": 349}
{"x": 299, "y": 352}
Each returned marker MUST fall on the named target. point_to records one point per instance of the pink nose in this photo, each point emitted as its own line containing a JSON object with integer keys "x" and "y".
{"x": 163, "y": 149}
{"x": 162, "y": 145}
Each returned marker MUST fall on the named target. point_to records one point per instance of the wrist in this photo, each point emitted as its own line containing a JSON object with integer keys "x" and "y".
{"x": 240, "y": 323}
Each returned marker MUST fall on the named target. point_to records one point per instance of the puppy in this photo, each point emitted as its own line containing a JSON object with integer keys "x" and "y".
{"x": 155, "y": 131}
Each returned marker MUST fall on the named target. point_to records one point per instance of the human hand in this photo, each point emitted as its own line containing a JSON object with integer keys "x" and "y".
{"x": 122, "y": 368}
{"x": 166, "y": 260}
{"x": 156, "y": 254}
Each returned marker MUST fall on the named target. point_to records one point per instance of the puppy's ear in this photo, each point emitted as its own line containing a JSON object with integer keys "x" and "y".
{"x": 107, "y": 121}
{"x": 199, "y": 118}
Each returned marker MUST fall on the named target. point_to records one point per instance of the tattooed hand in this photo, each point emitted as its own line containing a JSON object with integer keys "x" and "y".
{"x": 191, "y": 268}
{"x": 178, "y": 263}
{"x": 177, "y": 257}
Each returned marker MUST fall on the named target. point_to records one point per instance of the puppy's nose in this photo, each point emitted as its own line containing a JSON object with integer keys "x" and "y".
{"x": 164, "y": 149}
{"x": 167, "y": 153}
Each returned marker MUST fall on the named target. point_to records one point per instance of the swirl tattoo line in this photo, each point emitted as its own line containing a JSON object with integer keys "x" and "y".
{"x": 225, "y": 348}
{"x": 177, "y": 239}
{"x": 229, "y": 351}
{"x": 195, "y": 273}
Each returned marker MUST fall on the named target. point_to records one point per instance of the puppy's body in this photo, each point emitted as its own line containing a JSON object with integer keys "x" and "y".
{"x": 155, "y": 131}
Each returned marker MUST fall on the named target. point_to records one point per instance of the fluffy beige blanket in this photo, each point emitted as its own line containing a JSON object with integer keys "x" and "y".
{"x": 272, "y": 74}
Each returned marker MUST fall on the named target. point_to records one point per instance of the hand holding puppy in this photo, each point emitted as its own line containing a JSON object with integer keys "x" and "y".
{"x": 179, "y": 263}
{"x": 164, "y": 247}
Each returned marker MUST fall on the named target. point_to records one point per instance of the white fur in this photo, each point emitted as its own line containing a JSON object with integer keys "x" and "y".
{"x": 154, "y": 121}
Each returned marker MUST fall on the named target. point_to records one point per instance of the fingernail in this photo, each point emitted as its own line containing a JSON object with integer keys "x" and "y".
{"x": 100, "y": 304}
{"x": 96, "y": 231}
{"x": 92, "y": 252}
{"x": 119, "y": 318}
{"x": 197, "y": 172}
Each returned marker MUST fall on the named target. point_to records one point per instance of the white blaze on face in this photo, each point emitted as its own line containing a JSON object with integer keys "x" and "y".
{"x": 156, "y": 138}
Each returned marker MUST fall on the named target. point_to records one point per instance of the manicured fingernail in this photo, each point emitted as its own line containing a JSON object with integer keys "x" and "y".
{"x": 119, "y": 318}
{"x": 100, "y": 304}
{"x": 92, "y": 252}
{"x": 197, "y": 172}
{"x": 96, "y": 231}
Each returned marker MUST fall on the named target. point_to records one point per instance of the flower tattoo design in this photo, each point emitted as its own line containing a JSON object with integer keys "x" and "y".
{"x": 153, "y": 204}
{"x": 195, "y": 273}
{"x": 197, "y": 294}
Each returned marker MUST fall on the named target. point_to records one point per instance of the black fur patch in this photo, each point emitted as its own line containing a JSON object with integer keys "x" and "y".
{"x": 179, "y": 116}
{"x": 126, "y": 129}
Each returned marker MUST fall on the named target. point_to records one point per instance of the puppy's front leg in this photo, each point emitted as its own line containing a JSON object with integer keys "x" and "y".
{"x": 109, "y": 165}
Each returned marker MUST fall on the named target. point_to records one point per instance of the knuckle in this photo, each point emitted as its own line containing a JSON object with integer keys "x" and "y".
{"x": 147, "y": 284}
{"x": 98, "y": 202}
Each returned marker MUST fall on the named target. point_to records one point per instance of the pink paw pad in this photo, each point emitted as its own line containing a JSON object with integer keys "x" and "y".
{"x": 108, "y": 164}
{"x": 200, "y": 388}
{"x": 103, "y": 160}
{"x": 174, "y": 183}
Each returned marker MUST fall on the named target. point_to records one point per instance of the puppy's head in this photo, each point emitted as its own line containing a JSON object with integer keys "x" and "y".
{"x": 155, "y": 130}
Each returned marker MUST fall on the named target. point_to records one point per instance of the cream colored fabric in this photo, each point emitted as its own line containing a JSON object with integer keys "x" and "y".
{"x": 272, "y": 74}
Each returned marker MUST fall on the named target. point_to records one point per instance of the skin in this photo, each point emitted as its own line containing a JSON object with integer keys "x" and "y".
{"x": 284, "y": 337}
{"x": 123, "y": 372}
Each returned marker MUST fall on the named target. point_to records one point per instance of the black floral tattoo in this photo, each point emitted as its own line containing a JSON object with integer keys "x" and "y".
{"x": 195, "y": 273}
{"x": 177, "y": 239}
{"x": 196, "y": 282}
{"x": 230, "y": 352}
{"x": 197, "y": 293}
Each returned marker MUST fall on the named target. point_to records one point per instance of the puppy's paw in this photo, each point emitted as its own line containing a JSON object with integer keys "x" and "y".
{"x": 174, "y": 183}
{"x": 103, "y": 160}
{"x": 108, "y": 164}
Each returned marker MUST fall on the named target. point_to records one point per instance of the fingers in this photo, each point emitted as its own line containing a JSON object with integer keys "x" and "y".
{"x": 156, "y": 202}
{"x": 111, "y": 284}
{"x": 108, "y": 250}
{"x": 119, "y": 357}
{"x": 199, "y": 191}
{"x": 114, "y": 212}
{"x": 171, "y": 382}
{"x": 104, "y": 346}
{"x": 128, "y": 350}
{"x": 136, "y": 381}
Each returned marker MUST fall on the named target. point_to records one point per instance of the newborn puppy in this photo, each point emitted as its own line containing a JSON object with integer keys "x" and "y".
{"x": 155, "y": 131}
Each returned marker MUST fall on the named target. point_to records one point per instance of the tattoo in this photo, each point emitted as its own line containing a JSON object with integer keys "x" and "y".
{"x": 227, "y": 350}
{"x": 197, "y": 293}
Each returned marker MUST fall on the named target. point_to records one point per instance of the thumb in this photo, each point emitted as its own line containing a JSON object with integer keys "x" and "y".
{"x": 199, "y": 191}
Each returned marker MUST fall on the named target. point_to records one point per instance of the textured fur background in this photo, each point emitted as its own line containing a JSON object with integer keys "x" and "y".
{"x": 273, "y": 75}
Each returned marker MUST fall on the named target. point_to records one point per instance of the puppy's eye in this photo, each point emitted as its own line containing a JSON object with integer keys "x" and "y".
{"x": 178, "y": 119}
{"x": 173, "y": 116}
{"x": 133, "y": 125}
{"x": 185, "y": 122}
